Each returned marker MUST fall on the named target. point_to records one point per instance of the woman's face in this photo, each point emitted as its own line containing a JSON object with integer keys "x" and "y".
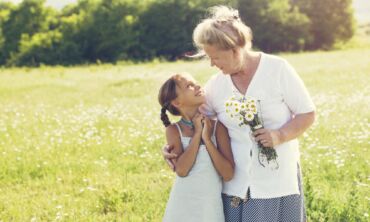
{"x": 228, "y": 61}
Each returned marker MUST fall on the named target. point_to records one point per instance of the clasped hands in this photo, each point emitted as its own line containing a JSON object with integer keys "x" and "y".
{"x": 267, "y": 137}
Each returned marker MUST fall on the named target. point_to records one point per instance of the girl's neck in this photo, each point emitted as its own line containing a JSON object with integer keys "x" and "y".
{"x": 189, "y": 112}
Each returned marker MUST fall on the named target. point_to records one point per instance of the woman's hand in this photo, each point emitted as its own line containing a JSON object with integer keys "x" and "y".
{"x": 168, "y": 156}
{"x": 268, "y": 138}
{"x": 207, "y": 129}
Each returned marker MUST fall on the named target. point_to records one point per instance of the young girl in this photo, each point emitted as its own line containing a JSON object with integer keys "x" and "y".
{"x": 203, "y": 154}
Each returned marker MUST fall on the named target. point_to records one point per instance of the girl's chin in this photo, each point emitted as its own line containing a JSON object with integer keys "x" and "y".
{"x": 203, "y": 100}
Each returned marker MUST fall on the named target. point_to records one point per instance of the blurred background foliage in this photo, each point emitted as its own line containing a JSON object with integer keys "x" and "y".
{"x": 91, "y": 31}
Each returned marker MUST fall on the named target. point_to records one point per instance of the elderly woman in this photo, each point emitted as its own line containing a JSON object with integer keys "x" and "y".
{"x": 258, "y": 192}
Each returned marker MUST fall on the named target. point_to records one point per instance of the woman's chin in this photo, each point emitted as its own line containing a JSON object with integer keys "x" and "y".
{"x": 225, "y": 72}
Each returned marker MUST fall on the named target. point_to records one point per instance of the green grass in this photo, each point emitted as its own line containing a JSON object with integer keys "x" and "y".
{"x": 83, "y": 143}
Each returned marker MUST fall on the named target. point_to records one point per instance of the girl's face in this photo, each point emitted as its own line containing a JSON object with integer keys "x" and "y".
{"x": 228, "y": 61}
{"x": 189, "y": 93}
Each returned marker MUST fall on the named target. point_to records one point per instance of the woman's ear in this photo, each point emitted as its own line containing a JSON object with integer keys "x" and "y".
{"x": 236, "y": 52}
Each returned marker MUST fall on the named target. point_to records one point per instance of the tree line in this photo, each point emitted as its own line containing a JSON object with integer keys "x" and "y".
{"x": 111, "y": 30}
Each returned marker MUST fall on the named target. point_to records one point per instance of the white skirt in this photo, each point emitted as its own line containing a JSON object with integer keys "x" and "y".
{"x": 196, "y": 197}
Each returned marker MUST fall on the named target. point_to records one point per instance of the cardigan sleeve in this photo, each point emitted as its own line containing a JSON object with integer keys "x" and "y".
{"x": 294, "y": 92}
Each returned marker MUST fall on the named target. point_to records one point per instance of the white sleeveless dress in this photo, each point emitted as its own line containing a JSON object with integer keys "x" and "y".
{"x": 196, "y": 197}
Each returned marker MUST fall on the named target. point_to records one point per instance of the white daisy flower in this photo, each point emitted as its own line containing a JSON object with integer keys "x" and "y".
{"x": 249, "y": 116}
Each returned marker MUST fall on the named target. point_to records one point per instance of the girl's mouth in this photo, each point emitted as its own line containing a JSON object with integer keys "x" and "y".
{"x": 199, "y": 93}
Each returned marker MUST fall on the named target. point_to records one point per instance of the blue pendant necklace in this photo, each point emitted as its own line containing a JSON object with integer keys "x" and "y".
{"x": 188, "y": 123}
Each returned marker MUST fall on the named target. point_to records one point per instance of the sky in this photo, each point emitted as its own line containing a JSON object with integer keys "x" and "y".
{"x": 362, "y": 10}
{"x": 55, "y": 3}
{"x": 361, "y": 7}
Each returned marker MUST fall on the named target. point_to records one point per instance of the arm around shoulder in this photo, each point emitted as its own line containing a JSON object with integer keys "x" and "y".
{"x": 174, "y": 140}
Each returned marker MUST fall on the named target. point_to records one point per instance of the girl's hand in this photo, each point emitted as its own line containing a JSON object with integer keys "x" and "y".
{"x": 268, "y": 138}
{"x": 197, "y": 121}
{"x": 168, "y": 156}
{"x": 207, "y": 129}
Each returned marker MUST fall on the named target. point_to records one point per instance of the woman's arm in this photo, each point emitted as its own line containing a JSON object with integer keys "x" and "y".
{"x": 290, "y": 130}
{"x": 222, "y": 157}
{"x": 299, "y": 102}
{"x": 296, "y": 126}
{"x": 169, "y": 156}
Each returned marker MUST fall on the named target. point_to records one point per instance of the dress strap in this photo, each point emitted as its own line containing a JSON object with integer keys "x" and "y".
{"x": 178, "y": 127}
{"x": 214, "y": 128}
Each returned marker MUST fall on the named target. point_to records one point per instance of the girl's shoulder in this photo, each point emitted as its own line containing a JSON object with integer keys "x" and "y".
{"x": 172, "y": 130}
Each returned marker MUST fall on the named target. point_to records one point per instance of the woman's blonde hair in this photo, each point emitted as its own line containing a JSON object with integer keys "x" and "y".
{"x": 223, "y": 29}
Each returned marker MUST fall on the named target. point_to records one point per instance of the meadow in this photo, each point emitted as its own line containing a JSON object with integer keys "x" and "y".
{"x": 83, "y": 143}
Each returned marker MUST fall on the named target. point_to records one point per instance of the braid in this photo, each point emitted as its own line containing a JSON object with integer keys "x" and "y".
{"x": 167, "y": 93}
{"x": 164, "y": 117}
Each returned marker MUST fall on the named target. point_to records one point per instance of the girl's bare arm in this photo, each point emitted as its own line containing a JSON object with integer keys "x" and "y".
{"x": 222, "y": 156}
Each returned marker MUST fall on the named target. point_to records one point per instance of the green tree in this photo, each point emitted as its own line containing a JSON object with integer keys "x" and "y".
{"x": 29, "y": 17}
{"x": 111, "y": 30}
{"x": 276, "y": 24}
{"x": 75, "y": 25}
{"x": 37, "y": 49}
{"x": 5, "y": 9}
{"x": 166, "y": 27}
{"x": 65, "y": 41}
{"x": 331, "y": 21}
{"x": 102, "y": 30}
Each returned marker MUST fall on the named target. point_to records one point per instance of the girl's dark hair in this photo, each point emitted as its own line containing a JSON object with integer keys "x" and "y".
{"x": 167, "y": 93}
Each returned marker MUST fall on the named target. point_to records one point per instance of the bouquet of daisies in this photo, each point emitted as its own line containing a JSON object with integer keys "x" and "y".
{"x": 245, "y": 111}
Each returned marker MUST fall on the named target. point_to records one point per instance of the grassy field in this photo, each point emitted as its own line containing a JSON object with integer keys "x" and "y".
{"x": 83, "y": 143}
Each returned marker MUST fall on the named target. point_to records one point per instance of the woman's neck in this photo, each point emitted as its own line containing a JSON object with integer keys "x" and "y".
{"x": 250, "y": 61}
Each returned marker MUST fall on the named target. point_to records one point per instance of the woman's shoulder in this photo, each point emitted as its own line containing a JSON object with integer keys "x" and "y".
{"x": 215, "y": 82}
{"x": 270, "y": 58}
{"x": 273, "y": 65}
{"x": 216, "y": 78}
